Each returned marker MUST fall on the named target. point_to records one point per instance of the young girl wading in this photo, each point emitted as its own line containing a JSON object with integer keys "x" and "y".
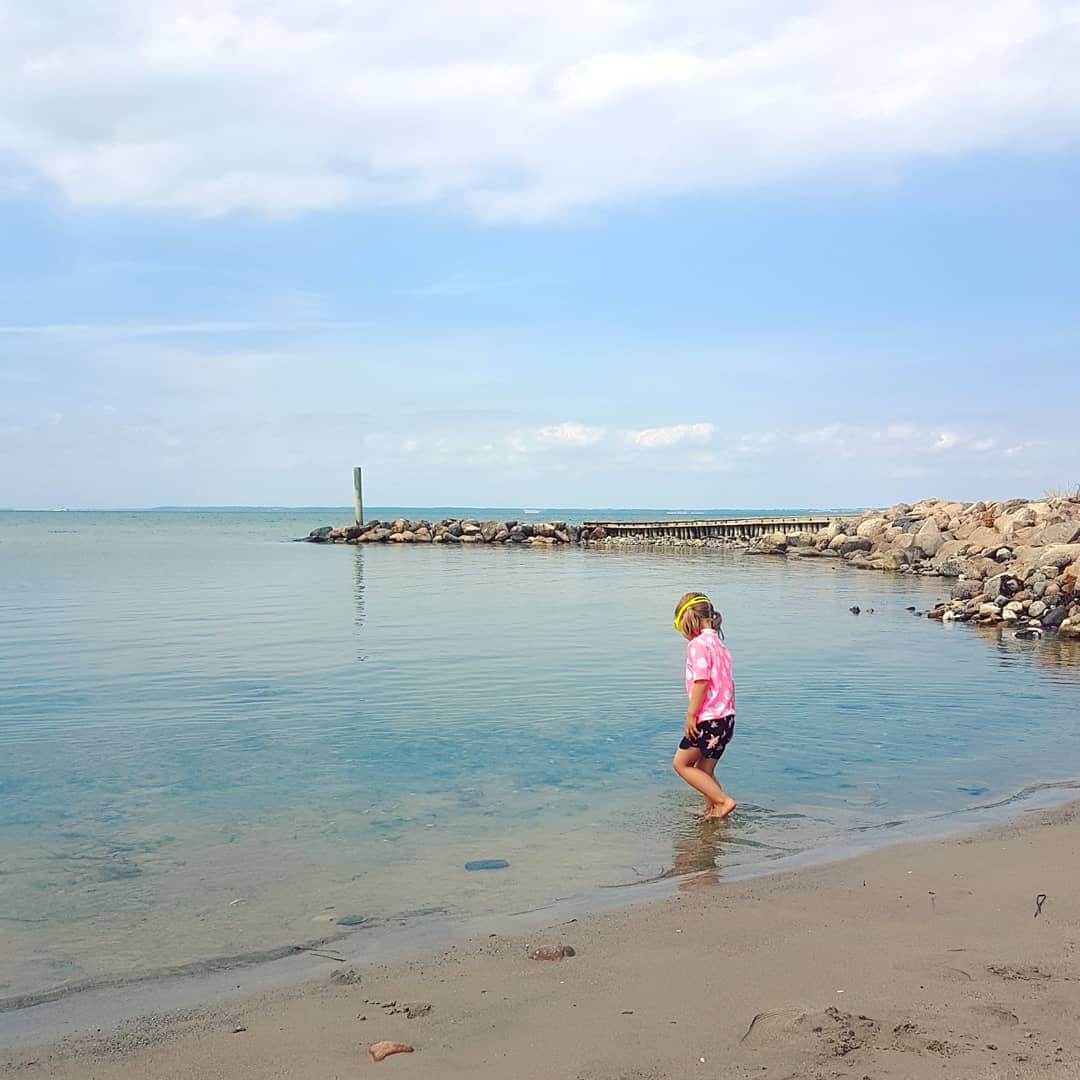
{"x": 710, "y": 714}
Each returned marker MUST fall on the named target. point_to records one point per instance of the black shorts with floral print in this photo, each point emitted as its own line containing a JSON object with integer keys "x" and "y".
{"x": 713, "y": 737}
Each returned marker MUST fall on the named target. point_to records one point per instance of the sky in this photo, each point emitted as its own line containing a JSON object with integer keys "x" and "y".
{"x": 607, "y": 253}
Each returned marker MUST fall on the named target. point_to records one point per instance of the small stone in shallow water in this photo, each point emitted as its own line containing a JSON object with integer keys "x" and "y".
{"x": 855, "y": 609}
{"x": 351, "y": 920}
{"x": 487, "y": 864}
{"x": 119, "y": 871}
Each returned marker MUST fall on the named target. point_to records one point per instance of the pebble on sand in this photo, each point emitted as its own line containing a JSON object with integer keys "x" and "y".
{"x": 384, "y": 1049}
{"x": 552, "y": 952}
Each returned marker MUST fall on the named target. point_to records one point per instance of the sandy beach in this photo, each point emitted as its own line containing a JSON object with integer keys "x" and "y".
{"x": 918, "y": 960}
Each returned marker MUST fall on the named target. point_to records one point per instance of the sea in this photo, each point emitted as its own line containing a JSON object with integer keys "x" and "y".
{"x": 218, "y": 743}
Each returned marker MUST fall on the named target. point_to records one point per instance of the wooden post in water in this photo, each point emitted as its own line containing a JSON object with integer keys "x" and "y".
{"x": 358, "y": 495}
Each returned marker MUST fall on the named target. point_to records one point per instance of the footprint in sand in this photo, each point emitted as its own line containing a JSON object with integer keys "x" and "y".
{"x": 1019, "y": 972}
{"x": 997, "y": 1015}
{"x": 841, "y": 1032}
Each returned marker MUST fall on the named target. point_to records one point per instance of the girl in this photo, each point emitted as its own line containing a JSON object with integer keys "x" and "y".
{"x": 710, "y": 714}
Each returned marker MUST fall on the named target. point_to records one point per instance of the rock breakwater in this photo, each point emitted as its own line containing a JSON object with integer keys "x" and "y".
{"x": 1015, "y": 563}
{"x": 449, "y": 531}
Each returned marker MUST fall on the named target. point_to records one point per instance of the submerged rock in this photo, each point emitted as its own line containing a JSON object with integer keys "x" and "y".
{"x": 487, "y": 864}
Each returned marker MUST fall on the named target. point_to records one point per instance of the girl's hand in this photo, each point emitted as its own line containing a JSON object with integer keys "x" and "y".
{"x": 691, "y": 729}
{"x": 694, "y": 706}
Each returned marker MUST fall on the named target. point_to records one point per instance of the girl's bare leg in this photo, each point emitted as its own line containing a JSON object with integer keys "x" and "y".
{"x": 686, "y": 764}
{"x": 707, "y": 765}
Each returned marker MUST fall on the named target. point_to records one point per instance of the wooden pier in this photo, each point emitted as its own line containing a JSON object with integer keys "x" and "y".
{"x": 722, "y": 528}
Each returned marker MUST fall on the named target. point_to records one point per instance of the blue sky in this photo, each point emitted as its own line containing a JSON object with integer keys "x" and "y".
{"x": 610, "y": 254}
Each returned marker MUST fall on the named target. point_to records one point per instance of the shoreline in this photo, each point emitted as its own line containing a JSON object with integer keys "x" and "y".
{"x": 41, "y": 1018}
{"x": 920, "y": 955}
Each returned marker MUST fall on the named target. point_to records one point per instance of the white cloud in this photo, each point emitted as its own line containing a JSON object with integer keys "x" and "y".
{"x": 603, "y": 78}
{"x": 899, "y": 431}
{"x": 516, "y": 110}
{"x": 657, "y": 437}
{"x": 568, "y": 434}
{"x": 830, "y": 435}
{"x": 889, "y": 439}
{"x": 565, "y": 436}
{"x": 755, "y": 443}
{"x": 946, "y": 440}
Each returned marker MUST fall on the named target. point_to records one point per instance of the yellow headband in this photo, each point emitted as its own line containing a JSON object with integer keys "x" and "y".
{"x": 692, "y": 602}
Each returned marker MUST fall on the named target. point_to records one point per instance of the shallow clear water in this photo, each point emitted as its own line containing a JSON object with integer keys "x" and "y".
{"x": 213, "y": 742}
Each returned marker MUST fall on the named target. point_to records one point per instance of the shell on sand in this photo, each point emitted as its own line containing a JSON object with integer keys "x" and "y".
{"x": 380, "y": 1050}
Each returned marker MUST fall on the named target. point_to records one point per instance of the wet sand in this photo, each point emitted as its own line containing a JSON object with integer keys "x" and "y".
{"x": 919, "y": 960}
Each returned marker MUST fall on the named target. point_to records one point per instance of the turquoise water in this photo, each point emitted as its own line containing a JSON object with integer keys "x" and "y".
{"x": 214, "y": 742}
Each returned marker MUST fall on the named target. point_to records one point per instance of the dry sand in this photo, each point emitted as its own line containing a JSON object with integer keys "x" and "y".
{"x": 922, "y": 960}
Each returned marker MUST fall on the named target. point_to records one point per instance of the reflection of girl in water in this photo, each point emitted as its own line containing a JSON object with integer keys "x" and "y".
{"x": 710, "y": 713}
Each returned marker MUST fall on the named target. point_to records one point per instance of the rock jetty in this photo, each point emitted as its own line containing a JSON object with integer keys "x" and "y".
{"x": 449, "y": 531}
{"x": 1015, "y": 563}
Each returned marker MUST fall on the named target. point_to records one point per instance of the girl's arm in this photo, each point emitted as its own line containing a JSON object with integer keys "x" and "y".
{"x": 693, "y": 708}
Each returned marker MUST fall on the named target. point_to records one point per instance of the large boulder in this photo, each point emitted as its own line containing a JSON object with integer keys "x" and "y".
{"x": 948, "y": 562}
{"x": 895, "y": 560}
{"x": 1061, "y": 532}
{"x": 838, "y": 541}
{"x": 1001, "y": 585}
{"x": 871, "y": 528}
{"x": 980, "y": 567}
{"x": 853, "y": 544}
{"x": 774, "y": 543}
{"x": 967, "y": 590}
{"x": 1058, "y": 556}
{"x": 929, "y": 537}
{"x": 980, "y": 538}
{"x": 1054, "y": 617}
{"x": 1008, "y": 523}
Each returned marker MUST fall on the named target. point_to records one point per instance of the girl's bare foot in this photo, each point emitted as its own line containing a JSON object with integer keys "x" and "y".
{"x": 719, "y": 811}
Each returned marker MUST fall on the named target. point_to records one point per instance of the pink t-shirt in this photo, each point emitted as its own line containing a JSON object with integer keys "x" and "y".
{"x": 707, "y": 658}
